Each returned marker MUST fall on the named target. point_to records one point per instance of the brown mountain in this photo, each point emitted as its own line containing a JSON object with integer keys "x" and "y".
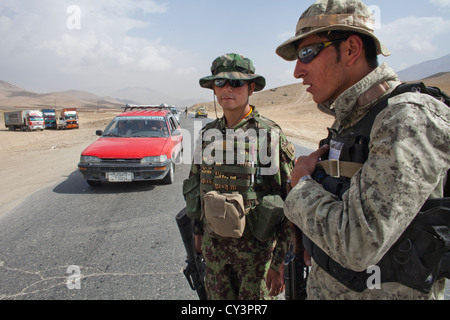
{"x": 12, "y": 96}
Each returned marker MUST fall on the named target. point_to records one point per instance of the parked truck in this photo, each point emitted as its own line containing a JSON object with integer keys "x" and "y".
{"x": 60, "y": 123}
{"x": 25, "y": 120}
{"x": 69, "y": 118}
{"x": 49, "y": 118}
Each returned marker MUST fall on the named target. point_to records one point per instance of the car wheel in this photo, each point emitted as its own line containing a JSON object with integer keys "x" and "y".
{"x": 170, "y": 177}
{"x": 93, "y": 183}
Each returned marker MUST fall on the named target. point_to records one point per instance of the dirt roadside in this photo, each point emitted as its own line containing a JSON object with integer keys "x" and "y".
{"x": 33, "y": 160}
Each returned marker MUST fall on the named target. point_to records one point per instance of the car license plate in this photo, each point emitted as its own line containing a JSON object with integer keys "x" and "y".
{"x": 119, "y": 176}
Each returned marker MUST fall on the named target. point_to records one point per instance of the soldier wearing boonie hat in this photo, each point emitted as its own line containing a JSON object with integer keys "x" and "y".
{"x": 324, "y": 15}
{"x": 233, "y": 66}
{"x": 387, "y": 154}
{"x": 244, "y": 257}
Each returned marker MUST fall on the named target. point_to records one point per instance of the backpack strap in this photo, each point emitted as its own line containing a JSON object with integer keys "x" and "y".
{"x": 420, "y": 87}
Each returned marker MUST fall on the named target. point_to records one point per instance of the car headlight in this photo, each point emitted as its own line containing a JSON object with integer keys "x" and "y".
{"x": 90, "y": 159}
{"x": 155, "y": 159}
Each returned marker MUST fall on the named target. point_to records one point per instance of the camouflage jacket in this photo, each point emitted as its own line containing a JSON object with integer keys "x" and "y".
{"x": 409, "y": 156}
{"x": 272, "y": 184}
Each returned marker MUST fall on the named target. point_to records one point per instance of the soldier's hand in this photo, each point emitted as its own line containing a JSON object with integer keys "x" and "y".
{"x": 275, "y": 281}
{"x": 198, "y": 243}
{"x": 307, "y": 164}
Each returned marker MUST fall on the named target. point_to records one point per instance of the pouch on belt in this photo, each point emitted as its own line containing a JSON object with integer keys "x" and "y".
{"x": 224, "y": 214}
{"x": 265, "y": 219}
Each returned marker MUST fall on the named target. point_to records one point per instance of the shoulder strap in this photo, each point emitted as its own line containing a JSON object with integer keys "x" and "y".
{"x": 420, "y": 87}
{"x": 261, "y": 121}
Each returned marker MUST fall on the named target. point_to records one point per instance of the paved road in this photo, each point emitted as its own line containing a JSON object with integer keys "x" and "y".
{"x": 116, "y": 241}
{"x": 122, "y": 238}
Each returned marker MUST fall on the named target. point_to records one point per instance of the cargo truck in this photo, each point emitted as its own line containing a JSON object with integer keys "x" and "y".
{"x": 70, "y": 117}
{"x": 49, "y": 118}
{"x": 25, "y": 120}
{"x": 60, "y": 123}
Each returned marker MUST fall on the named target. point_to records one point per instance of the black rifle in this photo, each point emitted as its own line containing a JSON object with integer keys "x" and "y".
{"x": 196, "y": 267}
{"x": 295, "y": 269}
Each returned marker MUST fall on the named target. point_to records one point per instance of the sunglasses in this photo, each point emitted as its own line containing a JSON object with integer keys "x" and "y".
{"x": 234, "y": 83}
{"x": 309, "y": 53}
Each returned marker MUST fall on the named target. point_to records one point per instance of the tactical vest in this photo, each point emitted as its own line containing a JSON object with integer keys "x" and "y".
{"x": 263, "y": 208}
{"x": 244, "y": 178}
{"x": 422, "y": 253}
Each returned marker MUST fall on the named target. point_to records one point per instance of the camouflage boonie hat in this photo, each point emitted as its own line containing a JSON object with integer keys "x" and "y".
{"x": 328, "y": 15}
{"x": 233, "y": 66}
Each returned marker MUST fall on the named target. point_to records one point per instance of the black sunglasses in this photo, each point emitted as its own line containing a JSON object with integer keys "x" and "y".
{"x": 309, "y": 53}
{"x": 234, "y": 83}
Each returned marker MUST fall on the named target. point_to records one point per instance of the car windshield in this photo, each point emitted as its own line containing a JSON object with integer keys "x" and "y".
{"x": 140, "y": 127}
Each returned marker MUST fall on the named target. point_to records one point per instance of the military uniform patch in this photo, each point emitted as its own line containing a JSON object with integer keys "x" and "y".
{"x": 289, "y": 149}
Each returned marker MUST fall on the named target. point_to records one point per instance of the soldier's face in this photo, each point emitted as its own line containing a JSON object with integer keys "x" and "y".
{"x": 325, "y": 76}
{"x": 234, "y": 98}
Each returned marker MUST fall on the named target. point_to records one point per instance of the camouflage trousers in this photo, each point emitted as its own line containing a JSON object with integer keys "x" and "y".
{"x": 236, "y": 268}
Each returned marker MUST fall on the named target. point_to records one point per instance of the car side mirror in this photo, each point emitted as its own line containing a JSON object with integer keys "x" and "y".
{"x": 99, "y": 133}
{"x": 176, "y": 132}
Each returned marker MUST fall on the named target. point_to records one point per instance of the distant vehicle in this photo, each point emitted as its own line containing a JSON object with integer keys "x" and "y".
{"x": 201, "y": 112}
{"x": 49, "y": 118}
{"x": 24, "y": 120}
{"x": 171, "y": 108}
{"x": 69, "y": 119}
{"x": 60, "y": 123}
{"x": 175, "y": 112}
{"x": 140, "y": 144}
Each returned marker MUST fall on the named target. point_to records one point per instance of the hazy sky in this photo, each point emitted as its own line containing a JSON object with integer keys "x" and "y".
{"x": 106, "y": 45}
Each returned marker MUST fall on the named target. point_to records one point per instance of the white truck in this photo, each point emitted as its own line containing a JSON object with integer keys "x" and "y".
{"x": 24, "y": 120}
{"x": 60, "y": 123}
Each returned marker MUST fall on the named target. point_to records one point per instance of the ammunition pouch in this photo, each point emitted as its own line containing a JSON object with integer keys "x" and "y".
{"x": 224, "y": 214}
{"x": 191, "y": 192}
{"x": 420, "y": 256}
{"x": 264, "y": 219}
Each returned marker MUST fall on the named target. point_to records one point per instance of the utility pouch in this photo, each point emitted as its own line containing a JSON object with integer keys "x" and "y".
{"x": 266, "y": 217}
{"x": 224, "y": 214}
{"x": 191, "y": 192}
{"x": 422, "y": 253}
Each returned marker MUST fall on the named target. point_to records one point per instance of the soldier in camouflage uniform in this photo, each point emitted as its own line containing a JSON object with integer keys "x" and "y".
{"x": 248, "y": 265}
{"x": 407, "y": 158}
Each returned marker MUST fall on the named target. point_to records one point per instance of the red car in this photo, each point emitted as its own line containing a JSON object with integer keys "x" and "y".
{"x": 140, "y": 144}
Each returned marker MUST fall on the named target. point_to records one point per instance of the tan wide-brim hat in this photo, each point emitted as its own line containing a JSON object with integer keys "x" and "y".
{"x": 233, "y": 66}
{"x": 329, "y": 15}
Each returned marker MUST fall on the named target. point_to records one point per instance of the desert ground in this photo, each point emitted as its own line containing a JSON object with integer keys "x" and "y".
{"x": 32, "y": 160}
